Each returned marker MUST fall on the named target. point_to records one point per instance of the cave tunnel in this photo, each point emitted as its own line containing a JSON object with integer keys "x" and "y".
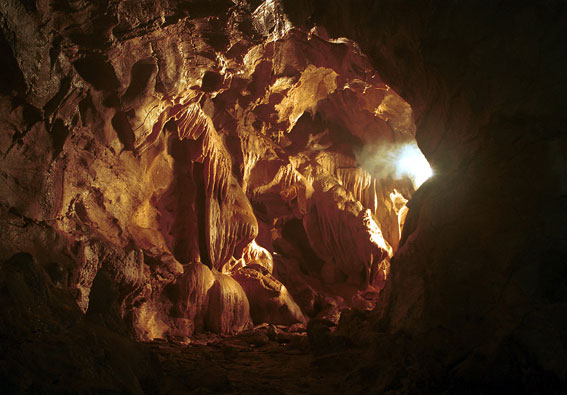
{"x": 280, "y": 196}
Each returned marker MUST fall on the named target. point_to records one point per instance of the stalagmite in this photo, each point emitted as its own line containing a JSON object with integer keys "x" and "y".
{"x": 228, "y": 310}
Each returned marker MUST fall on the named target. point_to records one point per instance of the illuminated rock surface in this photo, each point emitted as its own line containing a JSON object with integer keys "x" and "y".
{"x": 185, "y": 167}
{"x": 155, "y": 161}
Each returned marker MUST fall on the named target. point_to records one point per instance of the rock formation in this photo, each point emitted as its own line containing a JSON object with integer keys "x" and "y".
{"x": 177, "y": 154}
{"x": 178, "y": 167}
{"x": 474, "y": 299}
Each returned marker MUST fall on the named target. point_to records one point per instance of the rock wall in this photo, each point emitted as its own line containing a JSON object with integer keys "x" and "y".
{"x": 180, "y": 166}
{"x": 475, "y": 299}
{"x": 197, "y": 161}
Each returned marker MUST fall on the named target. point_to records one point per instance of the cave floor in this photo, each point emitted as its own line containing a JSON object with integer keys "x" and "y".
{"x": 243, "y": 364}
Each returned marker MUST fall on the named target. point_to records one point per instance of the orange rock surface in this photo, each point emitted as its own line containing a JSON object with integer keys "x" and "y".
{"x": 189, "y": 151}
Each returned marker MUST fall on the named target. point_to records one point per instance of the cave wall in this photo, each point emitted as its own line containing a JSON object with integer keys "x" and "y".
{"x": 152, "y": 147}
{"x": 477, "y": 286}
{"x": 198, "y": 161}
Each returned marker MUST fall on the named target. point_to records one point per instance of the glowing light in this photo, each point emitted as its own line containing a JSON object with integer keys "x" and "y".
{"x": 411, "y": 162}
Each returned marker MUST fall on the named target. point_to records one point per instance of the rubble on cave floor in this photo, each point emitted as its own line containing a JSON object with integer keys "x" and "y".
{"x": 267, "y": 358}
{"x": 222, "y": 367}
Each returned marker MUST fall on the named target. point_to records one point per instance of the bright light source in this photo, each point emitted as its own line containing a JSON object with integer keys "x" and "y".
{"x": 411, "y": 162}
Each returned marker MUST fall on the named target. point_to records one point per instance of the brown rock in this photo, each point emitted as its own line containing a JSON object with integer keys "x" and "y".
{"x": 193, "y": 288}
{"x": 269, "y": 299}
{"x": 228, "y": 310}
{"x": 140, "y": 137}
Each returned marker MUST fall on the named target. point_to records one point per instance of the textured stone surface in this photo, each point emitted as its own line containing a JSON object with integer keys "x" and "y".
{"x": 148, "y": 147}
{"x": 172, "y": 135}
{"x": 269, "y": 299}
{"x": 49, "y": 346}
{"x": 471, "y": 301}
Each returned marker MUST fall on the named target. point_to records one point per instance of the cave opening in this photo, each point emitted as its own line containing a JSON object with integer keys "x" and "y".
{"x": 236, "y": 197}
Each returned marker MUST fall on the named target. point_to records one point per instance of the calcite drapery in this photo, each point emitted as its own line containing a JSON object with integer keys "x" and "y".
{"x": 185, "y": 144}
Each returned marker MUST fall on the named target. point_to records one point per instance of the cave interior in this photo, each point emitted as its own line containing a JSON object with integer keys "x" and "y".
{"x": 282, "y": 196}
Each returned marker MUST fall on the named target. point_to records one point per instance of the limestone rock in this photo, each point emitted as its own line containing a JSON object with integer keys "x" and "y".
{"x": 147, "y": 146}
{"x": 193, "y": 289}
{"x": 165, "y": 137}
{"x": 45, "y": 335}
{"x": 228, "y": 309}
{"x": 269, "y": 299}
{"x": 258, "y": 257}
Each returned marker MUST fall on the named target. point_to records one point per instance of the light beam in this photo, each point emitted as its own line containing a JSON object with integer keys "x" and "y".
{"x": 411, "y": 162}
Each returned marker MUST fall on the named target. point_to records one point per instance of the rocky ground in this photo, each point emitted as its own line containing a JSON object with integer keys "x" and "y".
{"x": 267, "y": 359}
{"x": 50, "y": 347}
{"x": 249, "y": 363}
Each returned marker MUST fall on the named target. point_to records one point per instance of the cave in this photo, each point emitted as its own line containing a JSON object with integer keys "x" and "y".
{"x": 281, "y": 196}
